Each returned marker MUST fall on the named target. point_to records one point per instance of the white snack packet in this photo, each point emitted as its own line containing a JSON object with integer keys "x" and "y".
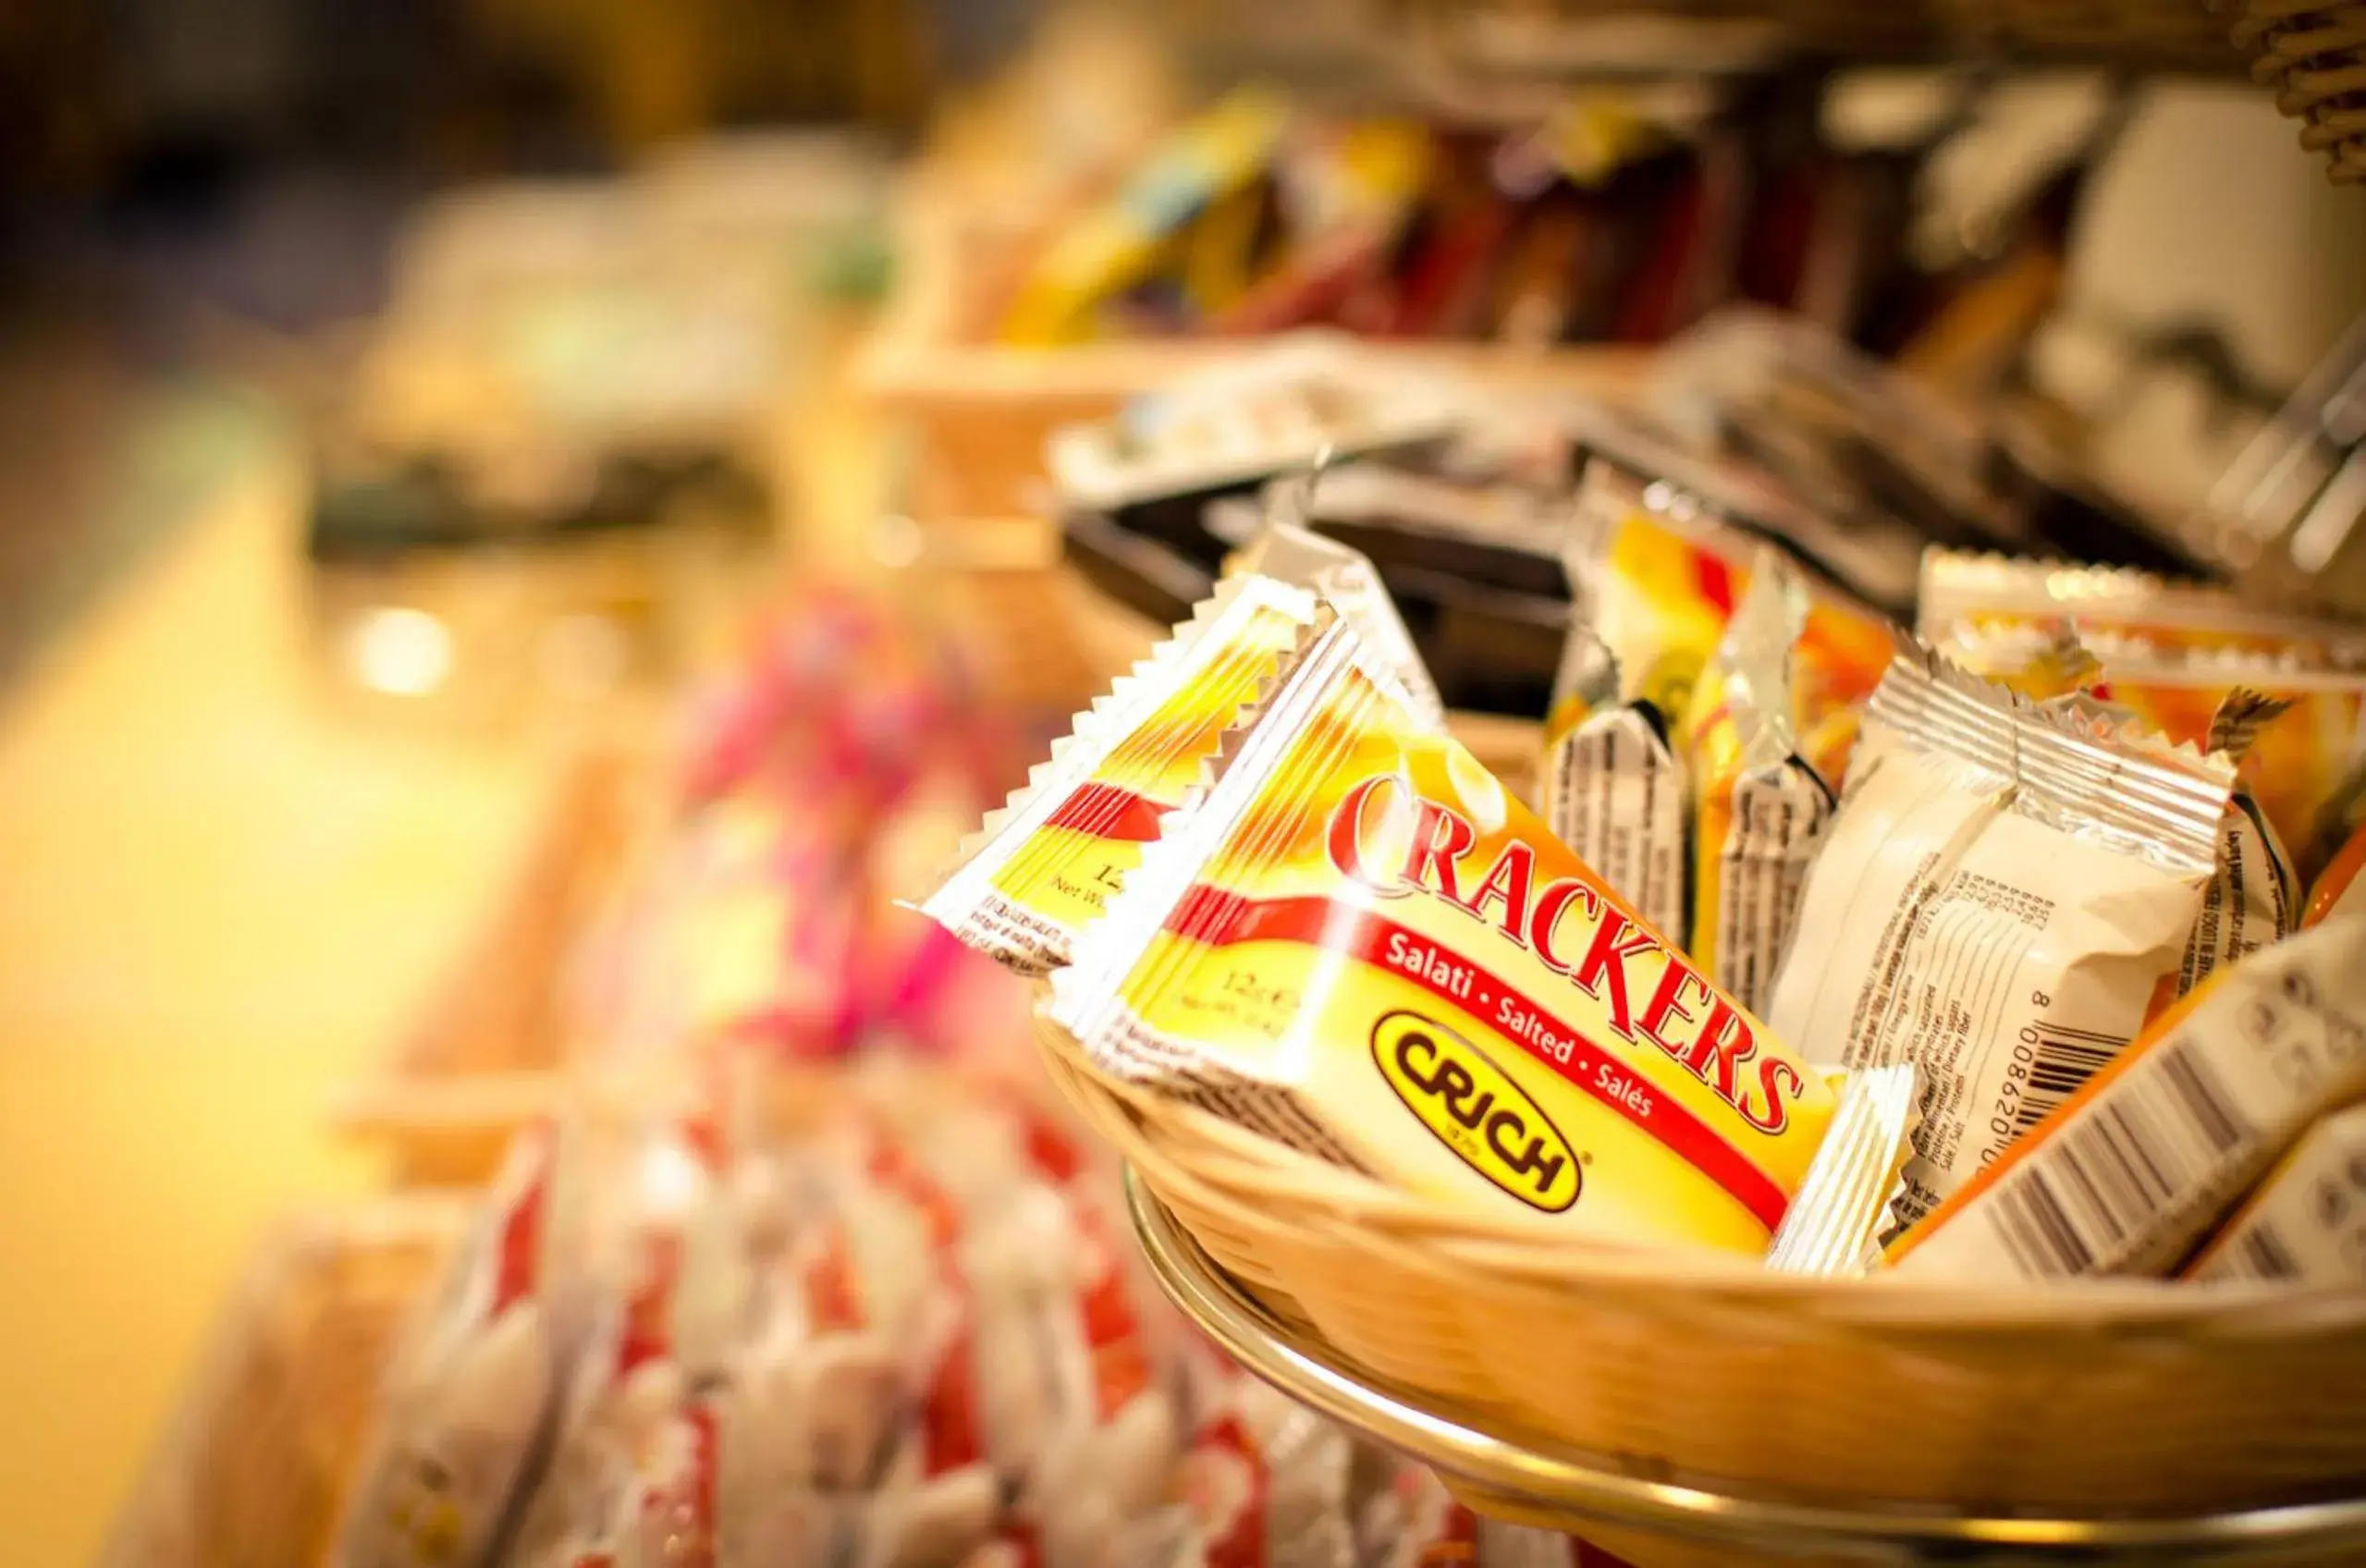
{"x": 2305, "y": 1224}
{"x": 471, "y": 1399}
{"x": 2001, "y": 898}
{"x": 2134, "y": 1172}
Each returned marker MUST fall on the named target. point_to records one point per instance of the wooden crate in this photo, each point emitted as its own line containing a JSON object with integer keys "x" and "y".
{"x": 252, "y": 1467}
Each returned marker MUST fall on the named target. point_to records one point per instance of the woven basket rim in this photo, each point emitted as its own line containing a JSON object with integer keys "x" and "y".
{"x": 1516, "y": 1251}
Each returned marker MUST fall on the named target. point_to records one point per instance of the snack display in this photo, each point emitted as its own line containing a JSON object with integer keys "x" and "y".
{"x": 1357, "y": 937}
{"x": 2003, "y": 894}
{"x": 2146, "y": 1159}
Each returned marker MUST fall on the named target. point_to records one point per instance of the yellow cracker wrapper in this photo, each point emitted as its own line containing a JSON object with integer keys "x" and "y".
{"x": 2305, "y": 1223}
{"x": 2141, "y": 1163}
{"x": 1358, "y": 943}
{"x": 1043, "y": 867}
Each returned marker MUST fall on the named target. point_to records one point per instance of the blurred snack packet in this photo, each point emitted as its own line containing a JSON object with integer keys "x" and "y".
{"x": 2141, "y": 1163}
{"x": 1760, "y": 809}
{"x": 1616, "y": 785}
{"x": 1656, "y": 573}
{"x": 2003, "y": 894}
{"x": 1415, "y": 1523}
{"x": 1108, "y": 250}
{"x": 1263, "y": 1481}
{"x": 1042, "y": 868}
{"x": 2037, "y": 662}
{"x": 2119, "y": 611}
{"x": 472, "y": 1394}
{"x": 2302, "y": 760}
{"x": 2305, "y": 1223}
{"x": 1359, "y": 944}
{"x": 1232, "y": 427}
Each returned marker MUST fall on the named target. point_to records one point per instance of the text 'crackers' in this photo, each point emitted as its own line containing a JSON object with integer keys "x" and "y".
{"x": 1359, "y": 944}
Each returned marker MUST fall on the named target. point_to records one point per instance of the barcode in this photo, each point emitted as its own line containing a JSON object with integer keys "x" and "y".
{"x": 2065, "y": 1058}
{"x": 2261, "y": 1255}
{"x": 2087, "y": 1198}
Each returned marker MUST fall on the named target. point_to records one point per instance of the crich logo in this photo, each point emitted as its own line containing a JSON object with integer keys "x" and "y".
{"x": 1474, "y": 1107}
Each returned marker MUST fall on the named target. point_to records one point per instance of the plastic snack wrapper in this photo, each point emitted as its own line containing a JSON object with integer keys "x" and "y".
{"x": 1228, "y": 431}
{"x": 1851, "y": 1204}
{"x": 1263, "y": 1482}
{"x": 2252, "y": 898}
{"x": 2305, "y": 1224}
{"x": 1760, "y": 809}
{"x": 2302, "y": 760}
{"x": 1288, "y": 552}
{"x": 1042, "y": 868}
{"x": 1657, "y": 575}
{"x": 2143, "y": 1161}
{"x": 1615, "y": 785}
{"x": 2003, "y": 893}
{"x": 1219, "y": 152}
{"x": 2118, "y": 611}
{"x": 1359, "y": 944}
{"x": 470, "y": 1401}
{"x": 2039, "y": 663}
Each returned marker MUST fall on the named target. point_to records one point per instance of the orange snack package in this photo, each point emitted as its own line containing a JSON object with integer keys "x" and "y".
{"x": 1359, "y": 944}
{"x": 2337, "y": 889}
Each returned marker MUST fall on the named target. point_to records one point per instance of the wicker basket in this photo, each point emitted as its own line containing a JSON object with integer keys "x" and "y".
{"x": 2106, "y": 1397}
{"x": 253, "y": 1468}
{"x": 2314, "y": 56}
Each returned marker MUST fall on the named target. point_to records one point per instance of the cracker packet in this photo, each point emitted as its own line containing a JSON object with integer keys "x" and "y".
{"x": 1759, "y": 808}
{"x": 1359, "y": 944}
{"x": 1042, "y": 868}
{"x": 2305, "y": 1223}
{"x": 2003, "y": 892}
{"x": 2143, "y": 1161}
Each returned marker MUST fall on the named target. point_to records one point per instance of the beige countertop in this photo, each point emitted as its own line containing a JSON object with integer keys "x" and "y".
{"x": 219, "y": 899}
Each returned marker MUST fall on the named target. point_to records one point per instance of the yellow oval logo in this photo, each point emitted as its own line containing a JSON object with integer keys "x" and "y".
{"x": 1471, "y": 1106}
